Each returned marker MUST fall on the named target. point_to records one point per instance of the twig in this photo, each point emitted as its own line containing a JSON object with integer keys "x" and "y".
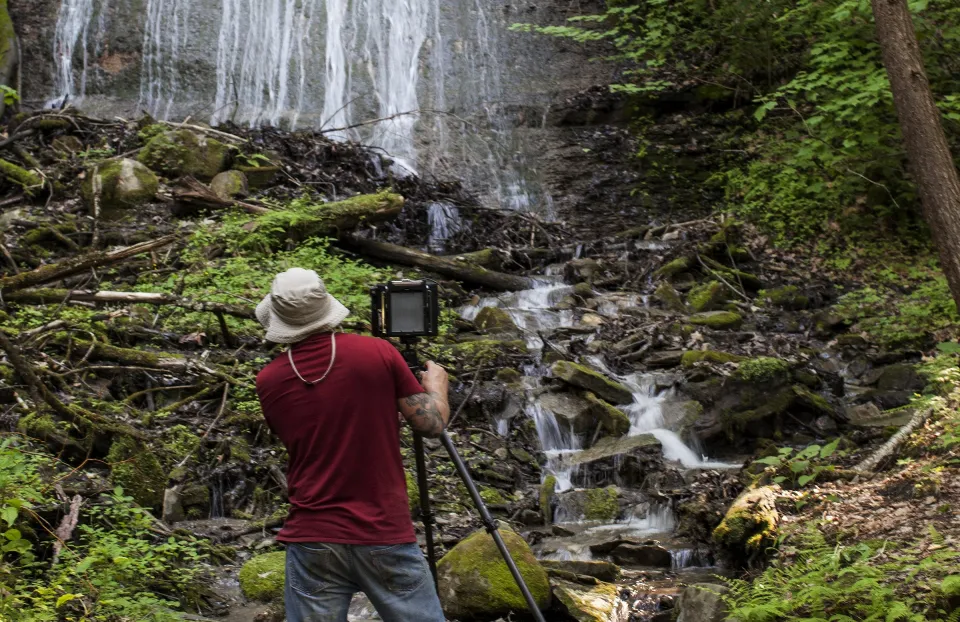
{"x": 463, "y": 404}
{"x": 222, "y": 409}
{"x": 716, "y": 274}
{"x": 888, "y": 448}
{"x": 97, "y": 183}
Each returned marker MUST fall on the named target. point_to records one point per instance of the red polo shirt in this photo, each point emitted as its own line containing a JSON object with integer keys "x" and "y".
{"x": 345, "y": 477}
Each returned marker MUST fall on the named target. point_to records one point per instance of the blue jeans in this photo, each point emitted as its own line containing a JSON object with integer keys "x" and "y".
{"x": 322, "y": 578}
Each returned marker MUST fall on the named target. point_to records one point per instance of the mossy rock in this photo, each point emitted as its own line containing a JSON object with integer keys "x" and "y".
{"x": 494, "y": 320}
{"x": 734, "y": 276}
{"x": 137, "y": 470}
{"x": 717, "y": 320}
{"x": 181, "y": 152}
{"x": 36, "y": 425}
{"x": 674, "y": 268}
{"x": 692, "y": 357}
{"x": 262, "y": 577}
{"x": 584, "y": 291}
{"x": 475, "y": 583}
{"x": 750, "y": 525}
{"x": 591, "y": 603}
{"x": 492, "y": 496}
{"x": 259, "y": 176}
{"x": 230, "y": 184}
{"x": 615, "y": 422}
{"x": 787, "y": 297}
{"x": 669, "y": 297}
{"x": 586, "y": 378}
{"x": 708, "y": 296}
{"x": 602, "y": 503}
{"x": 548, "y": 491}
{"x": 763, "y": 370}
{"x": 30, "y": 182}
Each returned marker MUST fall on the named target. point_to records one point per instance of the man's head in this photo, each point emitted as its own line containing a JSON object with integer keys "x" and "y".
{"x": 298, "y": 306}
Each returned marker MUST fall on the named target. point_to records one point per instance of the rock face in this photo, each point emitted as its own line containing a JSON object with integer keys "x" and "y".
{"x": 594, "y": 603}
{"x": 123, "y": 184}
{"x": 642, "y": 555}
{"x": 262, "y": 577}
{"x": 626, "y": 461}
{"x": 475, "y": 583}
{"x": 586, "y": 378}
{"x": 702, "y": 603}
{"x": 182, "y": 152}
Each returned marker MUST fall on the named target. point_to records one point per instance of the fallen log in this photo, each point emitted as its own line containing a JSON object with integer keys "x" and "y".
{"x": 330, "y": 219}
{"x": 887, "y": 449}
{"x": 750, "y": 525}
{"x": 59, "y": 296}
{"x": 76, "y": 265}
{"x": 460, "y": 270}
{"x": 192, "y": 196}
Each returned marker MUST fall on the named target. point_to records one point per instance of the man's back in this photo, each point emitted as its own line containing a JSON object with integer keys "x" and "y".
{"x": 345, "y": 476}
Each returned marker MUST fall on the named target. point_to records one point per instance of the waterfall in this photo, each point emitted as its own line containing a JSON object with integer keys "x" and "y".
{"x": 164, "y": 36}
{"x": 263, "y": 55}
{"x": 70, "y": 37}
{"x": 444, "y": 221}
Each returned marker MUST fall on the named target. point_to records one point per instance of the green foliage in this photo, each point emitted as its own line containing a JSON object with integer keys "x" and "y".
{"x": 799, "y": 468}
{"x": 903, "y": 308}
{"x": 10, "y": 95}
{"x": 822, "y": 156}
{"x": 824, "y": 582}
{"x": 114, "y": 569}
{"x": 255, "y": 160}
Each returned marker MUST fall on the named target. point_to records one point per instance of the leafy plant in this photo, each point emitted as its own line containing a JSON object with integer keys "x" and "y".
{"x": 799, "y": 468}
{"x": 10, "y": 95}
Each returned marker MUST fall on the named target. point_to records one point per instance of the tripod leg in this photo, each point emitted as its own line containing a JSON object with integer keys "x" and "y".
{"x": 491, "y": 525}
{"x": 425, "y": 511}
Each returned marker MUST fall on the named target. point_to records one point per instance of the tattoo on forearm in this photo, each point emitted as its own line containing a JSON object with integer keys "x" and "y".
{"x": 425, "y": 414}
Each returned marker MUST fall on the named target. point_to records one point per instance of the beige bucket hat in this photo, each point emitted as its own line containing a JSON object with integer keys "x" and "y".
{"x": 298, "y": 306}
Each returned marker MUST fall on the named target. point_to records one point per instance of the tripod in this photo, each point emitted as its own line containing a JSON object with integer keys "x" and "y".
{"x": 410, "y": 356}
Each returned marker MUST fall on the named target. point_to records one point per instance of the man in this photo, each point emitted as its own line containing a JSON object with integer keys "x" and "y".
{"x": 333, "y": 399}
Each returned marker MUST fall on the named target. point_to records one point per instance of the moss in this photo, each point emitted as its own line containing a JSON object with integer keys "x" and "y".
{"x": 693, "y": 357}
{"x": 747, "y": 280}
{"x": 262, "y": 577}
{"x": 771, "y": 406}
{"x": 763, "y": 369}
{"x": 707, "y": 296}
{"x": 494, "y": 319}
{"x": 669, "y": 297}
{"x": 28, "y": 180}
{"x": 594, "y": 603}
{"x": 813, "y": 402}
{"x": 229, "y": 184}
{"x": 547, "y": 491}
{"x": 508, "y": 375}
{"x": 786, "y": 297}
{"x": 614, "y": 421}
{"x": 182, "y": 152}
{"x": 586, "y": 378}
{"x": 674, "y": 268}
{"x": 492, "y": 496}
{"x": 137, "y": 470}
{"x": 750, "y": 525}
{"x": 413, "y": 491}
{"x": 486, "y": 350}
{"x": 240, "y": 450}
{"x": 178, "y": 441}
{"x": 475, "y": 581}
{"x": 602, "y": 504}
{"x": 150, "y": 131}
{"x": 717, "y": 320}
{"x": 37, "y": 425}
{"x": 258, "y": 176}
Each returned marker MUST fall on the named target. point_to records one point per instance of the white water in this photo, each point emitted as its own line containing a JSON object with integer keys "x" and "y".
{"x": 444, "y": 220}
{"x": 531, "y": 310}
{"x": 556, "y": 443}
{"x": 164, "y": 37}
{"x": 70, "y": 40}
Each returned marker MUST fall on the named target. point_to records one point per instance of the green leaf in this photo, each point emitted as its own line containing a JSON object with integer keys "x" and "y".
{"x": 9, "y": 514}
{"x": 799, "y": 466}
{"x": 12, "y": 534}
{"x": 66, "y": 598}
{"x": 803, "y": 480}
{"x": 770, "y": 461}
{"x": 779, "y": 479}
{"x": 829, "y": 448}
{"x": 949, "y": 347}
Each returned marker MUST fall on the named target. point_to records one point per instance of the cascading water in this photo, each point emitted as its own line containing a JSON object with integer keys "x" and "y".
{"x": 163, "y": 39}
{"x": 444, "y": 220}
{"x": 73, "y": 25}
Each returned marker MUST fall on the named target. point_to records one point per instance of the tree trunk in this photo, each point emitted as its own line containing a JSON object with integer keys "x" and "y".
{"x": 928, "y": 153}
{"x": 460, "y": 270}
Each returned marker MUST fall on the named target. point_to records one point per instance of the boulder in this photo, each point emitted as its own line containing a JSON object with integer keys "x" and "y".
{"x": 475, "y": 583}
{"x": 571, "y": 411}
{"x": 181, "y": 152}
{"x": 600, "y": 570}
{"x": 703, "y": 602}
{"x": 869, "y": 415}
{"x": 717, "y": 320}
{"x": 581, "y": 270}
{"x": 137, "y": 471}
{"x": 548, "y": 494}
{"x": 230, "y": 184}
{"x": 680, "y": 416}
{"x": 588, "y": 504}
{"x": 259, "y": 176}
{"x": 900, "y": 377}
{"x": 750, "y": 524}
{"x": 613, "y": 421}
{"x": 494, "y": 320}
{"x": 586, "y": 378}
{"x": 642, "y": 555}
{"x": 593, "y": 603}
{"x": 123, "y": 184}
{"x": 262, "y": 577}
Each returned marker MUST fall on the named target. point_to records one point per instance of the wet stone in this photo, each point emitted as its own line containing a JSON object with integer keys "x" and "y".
{"x": 642, "y": 555}
{"x": 602, "y": 570}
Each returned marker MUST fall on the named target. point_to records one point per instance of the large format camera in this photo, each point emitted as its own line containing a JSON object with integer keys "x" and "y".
{"x": 405, "y": 309}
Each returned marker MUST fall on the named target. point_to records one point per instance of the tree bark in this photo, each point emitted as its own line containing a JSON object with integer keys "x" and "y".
{"x": 460, "y": 270}
{"x": 926, "y": 144}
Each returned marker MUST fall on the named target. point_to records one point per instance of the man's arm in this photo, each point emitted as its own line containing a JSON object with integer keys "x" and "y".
{"x": 428, "y": 412}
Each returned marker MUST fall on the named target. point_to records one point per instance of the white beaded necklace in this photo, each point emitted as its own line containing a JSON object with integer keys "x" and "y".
{"x": 333, "y": 356}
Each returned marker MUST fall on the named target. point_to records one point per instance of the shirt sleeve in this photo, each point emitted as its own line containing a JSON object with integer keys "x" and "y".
{"x": 405, "y": 383}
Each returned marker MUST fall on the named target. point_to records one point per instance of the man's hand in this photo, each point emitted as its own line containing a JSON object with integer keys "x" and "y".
{"x": 428, "y": 412}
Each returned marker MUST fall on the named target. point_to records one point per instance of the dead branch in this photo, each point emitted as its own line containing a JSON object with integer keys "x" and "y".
{"x": 56, "y": 296}
{"x": 891, "y": 446}
{"x": 77, "y": 265}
